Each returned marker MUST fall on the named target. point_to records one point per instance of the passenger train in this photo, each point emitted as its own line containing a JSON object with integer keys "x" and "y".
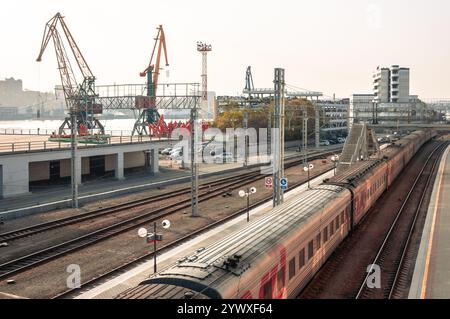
{"x": 278, "y": 254}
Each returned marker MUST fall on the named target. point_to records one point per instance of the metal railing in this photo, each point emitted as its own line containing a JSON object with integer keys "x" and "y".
{"x": 163, "y": 90}
{"x": 12, "y": 147}
{"x": 48, "y": 132}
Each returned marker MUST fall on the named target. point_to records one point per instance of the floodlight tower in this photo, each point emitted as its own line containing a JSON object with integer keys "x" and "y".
{"x": 204, "y": 49}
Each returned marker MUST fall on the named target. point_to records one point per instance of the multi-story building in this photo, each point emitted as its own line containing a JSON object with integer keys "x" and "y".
{"x": 12, "y": 95}
{"x": 390, "y": 101}
{"x": 336, "y": 114}
{"x": 381, "y": 85}
{"x": 399, "y": 85}
{"x": 391, "y": 85}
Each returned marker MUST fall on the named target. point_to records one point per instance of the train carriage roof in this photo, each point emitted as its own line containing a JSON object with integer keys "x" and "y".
{"x": 159, "y": 291}
{"x": 235, "y": 254}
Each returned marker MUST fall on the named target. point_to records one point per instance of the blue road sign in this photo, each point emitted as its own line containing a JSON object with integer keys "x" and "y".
{"x": 284, "y": 183}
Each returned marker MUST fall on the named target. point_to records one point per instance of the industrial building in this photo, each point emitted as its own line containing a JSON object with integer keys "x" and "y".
{"x": 22, "y": 169}
{"x": 335, "y": 113}
{"x": 390, "y": 100}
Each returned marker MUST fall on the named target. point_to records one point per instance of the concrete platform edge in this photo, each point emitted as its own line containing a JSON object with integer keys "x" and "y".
{"x": 415, "y": 291}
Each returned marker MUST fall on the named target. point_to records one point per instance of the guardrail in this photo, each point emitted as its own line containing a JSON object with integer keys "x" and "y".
{"x": 43, "y": 132}
{"x": 12, "y": 147}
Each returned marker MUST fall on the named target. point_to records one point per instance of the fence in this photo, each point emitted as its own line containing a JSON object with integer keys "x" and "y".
{"x": 48, "y": 132}
{"x": 11, "y": 147}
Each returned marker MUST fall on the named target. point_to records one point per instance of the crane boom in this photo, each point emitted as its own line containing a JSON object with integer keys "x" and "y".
{"x": 152, "y": 71}
{"x": 80, "y": 99}
{"x": 81, "y": 61}
{"x": 68, "y": 79}
{"x": 148, "y": 114}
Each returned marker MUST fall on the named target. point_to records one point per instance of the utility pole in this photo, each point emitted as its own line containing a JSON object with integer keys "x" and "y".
{"x": 154, "y": 249}
{"x": 269, "y": 135}
{"x": 278, "y": 154}
{"x": 73, "y": 144}
{"x": 305, "y": 139}
{"x": 204, "y": 49}
{"x": 317, "y": 124}
{"x": 194, "y": 163}
{"x": 246, "y": 139}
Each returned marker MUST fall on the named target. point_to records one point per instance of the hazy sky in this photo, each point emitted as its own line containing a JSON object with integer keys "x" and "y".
{"x": 327, "y": 45}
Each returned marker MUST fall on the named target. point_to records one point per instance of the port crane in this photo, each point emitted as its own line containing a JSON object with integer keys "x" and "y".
{"x": 80, "y": 98}
{"x": 148, "y": 113}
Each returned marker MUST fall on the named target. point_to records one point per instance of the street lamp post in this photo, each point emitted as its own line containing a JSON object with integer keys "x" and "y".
{"x": 153, "y": 238}
{"x": 335, "y": 160}
{"x": 247, "y": 194}
{"x": 307, "y": 168}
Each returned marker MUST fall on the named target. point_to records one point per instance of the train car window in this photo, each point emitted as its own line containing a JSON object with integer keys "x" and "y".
{"x": 291, "y": 268}
{"x": 267, "y": 290}
{"x": 318, "y": 241}
{"x": 325, "y": 234}
{"x": 310, "y": 249}
{"x": 342, "y": 217}
{"x": 337, "y": 223}
{"x": 301, "y": 259}
{"x": 281, "y": 279}
{"x": 331, "y": 229}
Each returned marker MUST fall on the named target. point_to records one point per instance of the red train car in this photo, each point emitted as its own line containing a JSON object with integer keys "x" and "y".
{"x": 277, "y": 255}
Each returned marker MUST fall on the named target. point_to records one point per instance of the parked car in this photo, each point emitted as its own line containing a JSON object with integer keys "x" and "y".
{"x": 333, "y": 141}
{"x": 176, "y": 154}
{"x": 341, "y": 139}
{"x": 324, "y": 143}
{"x": 166, "y": 151}
{"x": 224, "y": 157}
{"x": 176, "y": 150}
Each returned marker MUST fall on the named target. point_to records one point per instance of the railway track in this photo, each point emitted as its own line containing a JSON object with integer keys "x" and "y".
{"x": 144, "y": 258}
{"x": 98, "y": 213}
{"x": 395, "y": 256}
{"x": 20, "y": 264}
{"x": 46, "y": 226}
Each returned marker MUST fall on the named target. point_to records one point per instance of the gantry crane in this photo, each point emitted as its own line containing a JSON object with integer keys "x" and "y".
{"x": 148, "y": 114}
{"x": 80, "y": 99}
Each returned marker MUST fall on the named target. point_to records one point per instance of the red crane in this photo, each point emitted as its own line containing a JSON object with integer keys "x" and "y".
{"x": 152, "y": 71}
{"x": 149, "y": 115}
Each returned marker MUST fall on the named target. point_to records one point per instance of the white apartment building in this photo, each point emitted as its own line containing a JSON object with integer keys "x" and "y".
{"x": 381, "y": 85}
{"x": 391, "y": 85}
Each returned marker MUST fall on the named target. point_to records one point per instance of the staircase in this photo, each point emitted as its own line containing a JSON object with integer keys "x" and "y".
{"x": 355, "y": 147}
{"x": 360, "y": 144}
{"x": 348, "y": 152}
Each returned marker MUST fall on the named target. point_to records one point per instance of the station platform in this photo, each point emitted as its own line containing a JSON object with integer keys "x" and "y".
{"x": 132, "y": 278}
{"x": 431, "y": 278}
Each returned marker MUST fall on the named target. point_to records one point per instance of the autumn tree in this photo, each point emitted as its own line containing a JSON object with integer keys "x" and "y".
{"x": 233, "y": 117}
